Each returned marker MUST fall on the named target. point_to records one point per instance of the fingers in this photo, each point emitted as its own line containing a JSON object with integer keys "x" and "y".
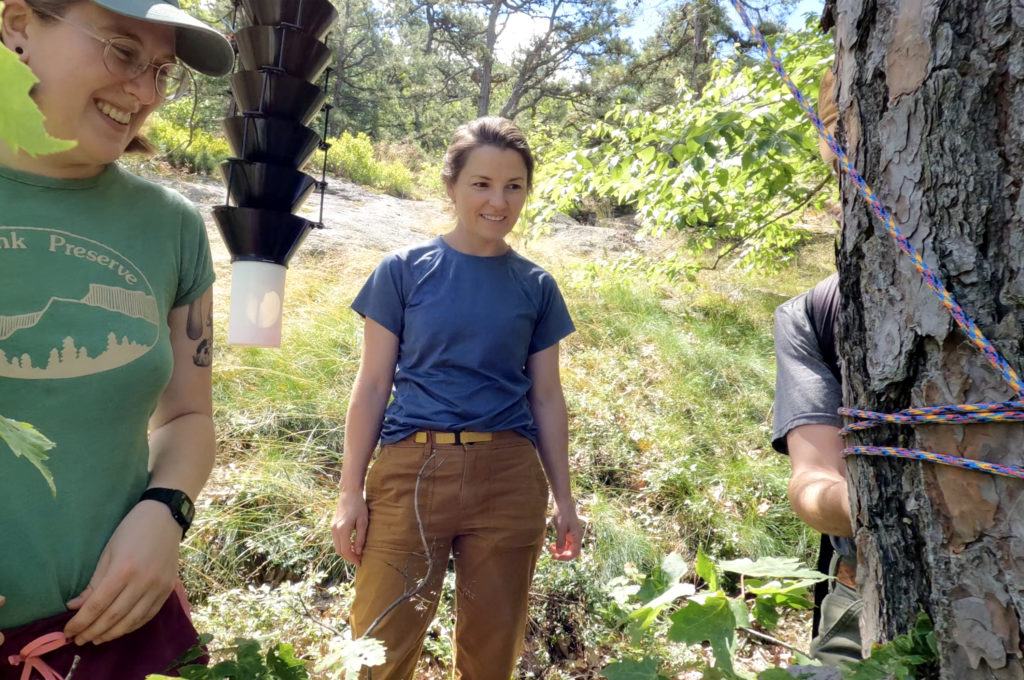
{"x": 76, "y": 602}
{"x": 359, "y": 541}
{"x": 101, "y": 618}
{"x": 113, "y": 607}
{"x": 349, "y": 539}
{"x": 348, "y": 530}
{"x": 567, "y": 543}
{"x": 565, "y": 549}
{"x": 127, "y": 613}
{"x": 91, "y": 605}
{"x": 344, "y": 534}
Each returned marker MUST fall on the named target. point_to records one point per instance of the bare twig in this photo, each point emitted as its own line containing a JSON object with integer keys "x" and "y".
{"x": 811, "y": 193}
{"x": 74, "y": 665}
{"x": 409, "y": 594}
{"x": 308, "y": 614}
{"x": 775, "y": 641}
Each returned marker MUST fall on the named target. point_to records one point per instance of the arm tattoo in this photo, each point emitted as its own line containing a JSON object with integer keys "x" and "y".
{"x": 199, "y": 326}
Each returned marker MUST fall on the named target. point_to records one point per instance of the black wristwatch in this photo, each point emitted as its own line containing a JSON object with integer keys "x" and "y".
{"x": 181, "y": 506}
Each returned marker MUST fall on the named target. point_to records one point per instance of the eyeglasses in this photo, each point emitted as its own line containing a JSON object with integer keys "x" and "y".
{"x": 123, "y": 58}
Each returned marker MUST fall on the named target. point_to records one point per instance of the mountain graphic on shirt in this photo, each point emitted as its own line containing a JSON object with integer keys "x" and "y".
{"x": 121, "y": 325}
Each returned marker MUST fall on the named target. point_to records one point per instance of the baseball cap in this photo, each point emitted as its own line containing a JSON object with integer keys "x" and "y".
{"x": 197, "y": 45}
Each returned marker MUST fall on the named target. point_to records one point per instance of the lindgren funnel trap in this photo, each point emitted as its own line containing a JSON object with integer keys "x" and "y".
{"x": 280, "y": 54}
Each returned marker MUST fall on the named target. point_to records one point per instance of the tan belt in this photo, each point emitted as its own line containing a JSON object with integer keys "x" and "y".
{"x": 846, "y": 574}
{"x": 460, "y": 437}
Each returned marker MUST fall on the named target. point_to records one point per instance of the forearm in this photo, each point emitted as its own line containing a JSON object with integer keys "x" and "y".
{"x": 362, "y": 430}
{"x": 182, "y": 452}
{"x": 553, "y": 446}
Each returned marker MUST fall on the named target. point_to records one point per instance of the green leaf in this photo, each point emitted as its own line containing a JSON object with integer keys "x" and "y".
{"x": 674, "y": 566}
{"x": 646, "y": 154}
{"x": 21, "y": 123}
{"x": 759, "y": 587}
{"x": 713, "y": 621}
{"x": 706, "y": 570}
{"x": 282, "y": 662}
{"x": 779, "y": 567}
{"x": 739, "y": 612}
{"x": 765, "y": 612}
{"x": 676, "y": 591}
{"x": 27, "y": 442}
{"x": 632, "y": 670}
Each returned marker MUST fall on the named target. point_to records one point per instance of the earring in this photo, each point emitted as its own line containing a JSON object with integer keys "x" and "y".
{"x": 18, "y": 50}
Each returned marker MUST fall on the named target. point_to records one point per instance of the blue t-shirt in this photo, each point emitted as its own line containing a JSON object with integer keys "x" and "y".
{"x": 466, "y": 326}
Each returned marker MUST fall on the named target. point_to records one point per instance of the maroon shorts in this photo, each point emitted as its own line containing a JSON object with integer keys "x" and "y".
{"x": 150, "y": 649}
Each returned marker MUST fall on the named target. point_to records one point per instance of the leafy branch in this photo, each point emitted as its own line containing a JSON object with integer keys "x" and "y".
{"x": 27, "y": 442}
{"x": 768, "y": 586}
{"x": 21, "y": 122}
{"x": 21, "y": 128}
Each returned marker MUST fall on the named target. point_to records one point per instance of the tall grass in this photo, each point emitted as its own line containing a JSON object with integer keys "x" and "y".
{"x": 669, "y": 394}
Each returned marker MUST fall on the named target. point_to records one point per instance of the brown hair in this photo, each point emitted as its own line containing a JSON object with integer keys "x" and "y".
{"x": 46, "y": 9}
{"x": 52, "y": 7}
{"x": 487, "y": 131}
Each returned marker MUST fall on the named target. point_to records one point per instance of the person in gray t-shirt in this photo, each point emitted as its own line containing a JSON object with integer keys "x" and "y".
{"x": 808, "y": 394}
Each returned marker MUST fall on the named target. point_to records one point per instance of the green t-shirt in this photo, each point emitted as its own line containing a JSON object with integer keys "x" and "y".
{"x": 89, "y": 270}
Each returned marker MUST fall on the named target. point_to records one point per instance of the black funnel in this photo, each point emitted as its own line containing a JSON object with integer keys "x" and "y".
{"x": 277, "y": 95}
{"x": 270, "y": 140}
{"x": 260, "y": 235}
{"x": 312, "y": 16}
{"x": 270, "y": 187}
{"x": 294, "y": 52}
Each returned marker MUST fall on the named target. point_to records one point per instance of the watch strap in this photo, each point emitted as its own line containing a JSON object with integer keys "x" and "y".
{"x": 177, "y": 501}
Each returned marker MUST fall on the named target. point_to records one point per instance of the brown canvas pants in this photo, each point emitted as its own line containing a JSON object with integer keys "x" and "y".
{"x": 485, "y": 503}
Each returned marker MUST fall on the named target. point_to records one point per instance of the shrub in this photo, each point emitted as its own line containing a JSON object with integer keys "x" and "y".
{"x": 201, "y": 155}
{"x": 354, "y": 158}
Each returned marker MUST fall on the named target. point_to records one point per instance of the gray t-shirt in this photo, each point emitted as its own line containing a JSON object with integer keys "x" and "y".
{"x": 807, "y": 391}
{"x": 466, "y": 326}
{"x": 807, "y": 387}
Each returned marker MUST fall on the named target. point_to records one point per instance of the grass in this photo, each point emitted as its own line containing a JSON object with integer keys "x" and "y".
{"x": 669, "y": 393}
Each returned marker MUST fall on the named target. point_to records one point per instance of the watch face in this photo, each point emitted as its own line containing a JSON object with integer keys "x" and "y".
{"x": 187, "y": 508}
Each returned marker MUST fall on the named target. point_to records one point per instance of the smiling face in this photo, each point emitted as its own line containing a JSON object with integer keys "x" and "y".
{"x": 489, "y": 193}
{"x": 78, "y": 96}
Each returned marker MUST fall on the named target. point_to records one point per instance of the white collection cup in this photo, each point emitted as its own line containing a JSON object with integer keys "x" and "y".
{"x": 257, "y": 299}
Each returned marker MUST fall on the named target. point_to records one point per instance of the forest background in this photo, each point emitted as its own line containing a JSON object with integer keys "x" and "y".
{"x": 677, "y": 134}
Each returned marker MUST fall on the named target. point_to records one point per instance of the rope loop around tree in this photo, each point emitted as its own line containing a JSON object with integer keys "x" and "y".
{"x": 1006, "y": 411}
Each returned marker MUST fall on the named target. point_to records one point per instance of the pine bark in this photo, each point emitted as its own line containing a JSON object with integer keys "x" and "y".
{"x": 931, "y": 101}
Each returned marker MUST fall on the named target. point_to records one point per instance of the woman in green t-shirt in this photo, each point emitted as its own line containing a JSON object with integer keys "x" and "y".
{"x": 105, "y": 319}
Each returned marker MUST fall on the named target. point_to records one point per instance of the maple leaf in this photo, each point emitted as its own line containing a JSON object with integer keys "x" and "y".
{"x": 27, "y": 442}
{"x": 21, "y": 123}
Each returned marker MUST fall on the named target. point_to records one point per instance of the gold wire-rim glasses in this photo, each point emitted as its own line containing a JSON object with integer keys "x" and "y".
{"x": 122, "y": 58}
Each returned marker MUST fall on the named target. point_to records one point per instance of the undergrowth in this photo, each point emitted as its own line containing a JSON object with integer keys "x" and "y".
{"x": 669, "y": 394}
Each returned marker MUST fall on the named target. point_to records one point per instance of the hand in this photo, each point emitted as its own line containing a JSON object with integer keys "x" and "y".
{"x": 135, "y": 574}
{"x": 568, "y": 542}
{"x": 349, "y": 526}
{"x": 2, "y": 600}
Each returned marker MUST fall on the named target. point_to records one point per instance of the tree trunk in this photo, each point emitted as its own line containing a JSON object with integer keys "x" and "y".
{"x": 931, "y": 101}
{"x": 486, "y": 69}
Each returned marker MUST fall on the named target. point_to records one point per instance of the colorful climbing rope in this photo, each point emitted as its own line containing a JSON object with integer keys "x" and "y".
{"x": 963, "y": 413}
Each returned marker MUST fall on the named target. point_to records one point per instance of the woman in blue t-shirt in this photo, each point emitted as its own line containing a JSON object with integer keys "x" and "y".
{"x": 464, "y": 332}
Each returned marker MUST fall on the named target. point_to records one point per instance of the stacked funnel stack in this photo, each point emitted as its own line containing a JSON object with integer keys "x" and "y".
{"x": 282, "y": 55}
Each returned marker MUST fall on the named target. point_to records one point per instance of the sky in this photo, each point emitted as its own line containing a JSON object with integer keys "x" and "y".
{"x": 650, "y": 11}
{"x": 521, "y": 28}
